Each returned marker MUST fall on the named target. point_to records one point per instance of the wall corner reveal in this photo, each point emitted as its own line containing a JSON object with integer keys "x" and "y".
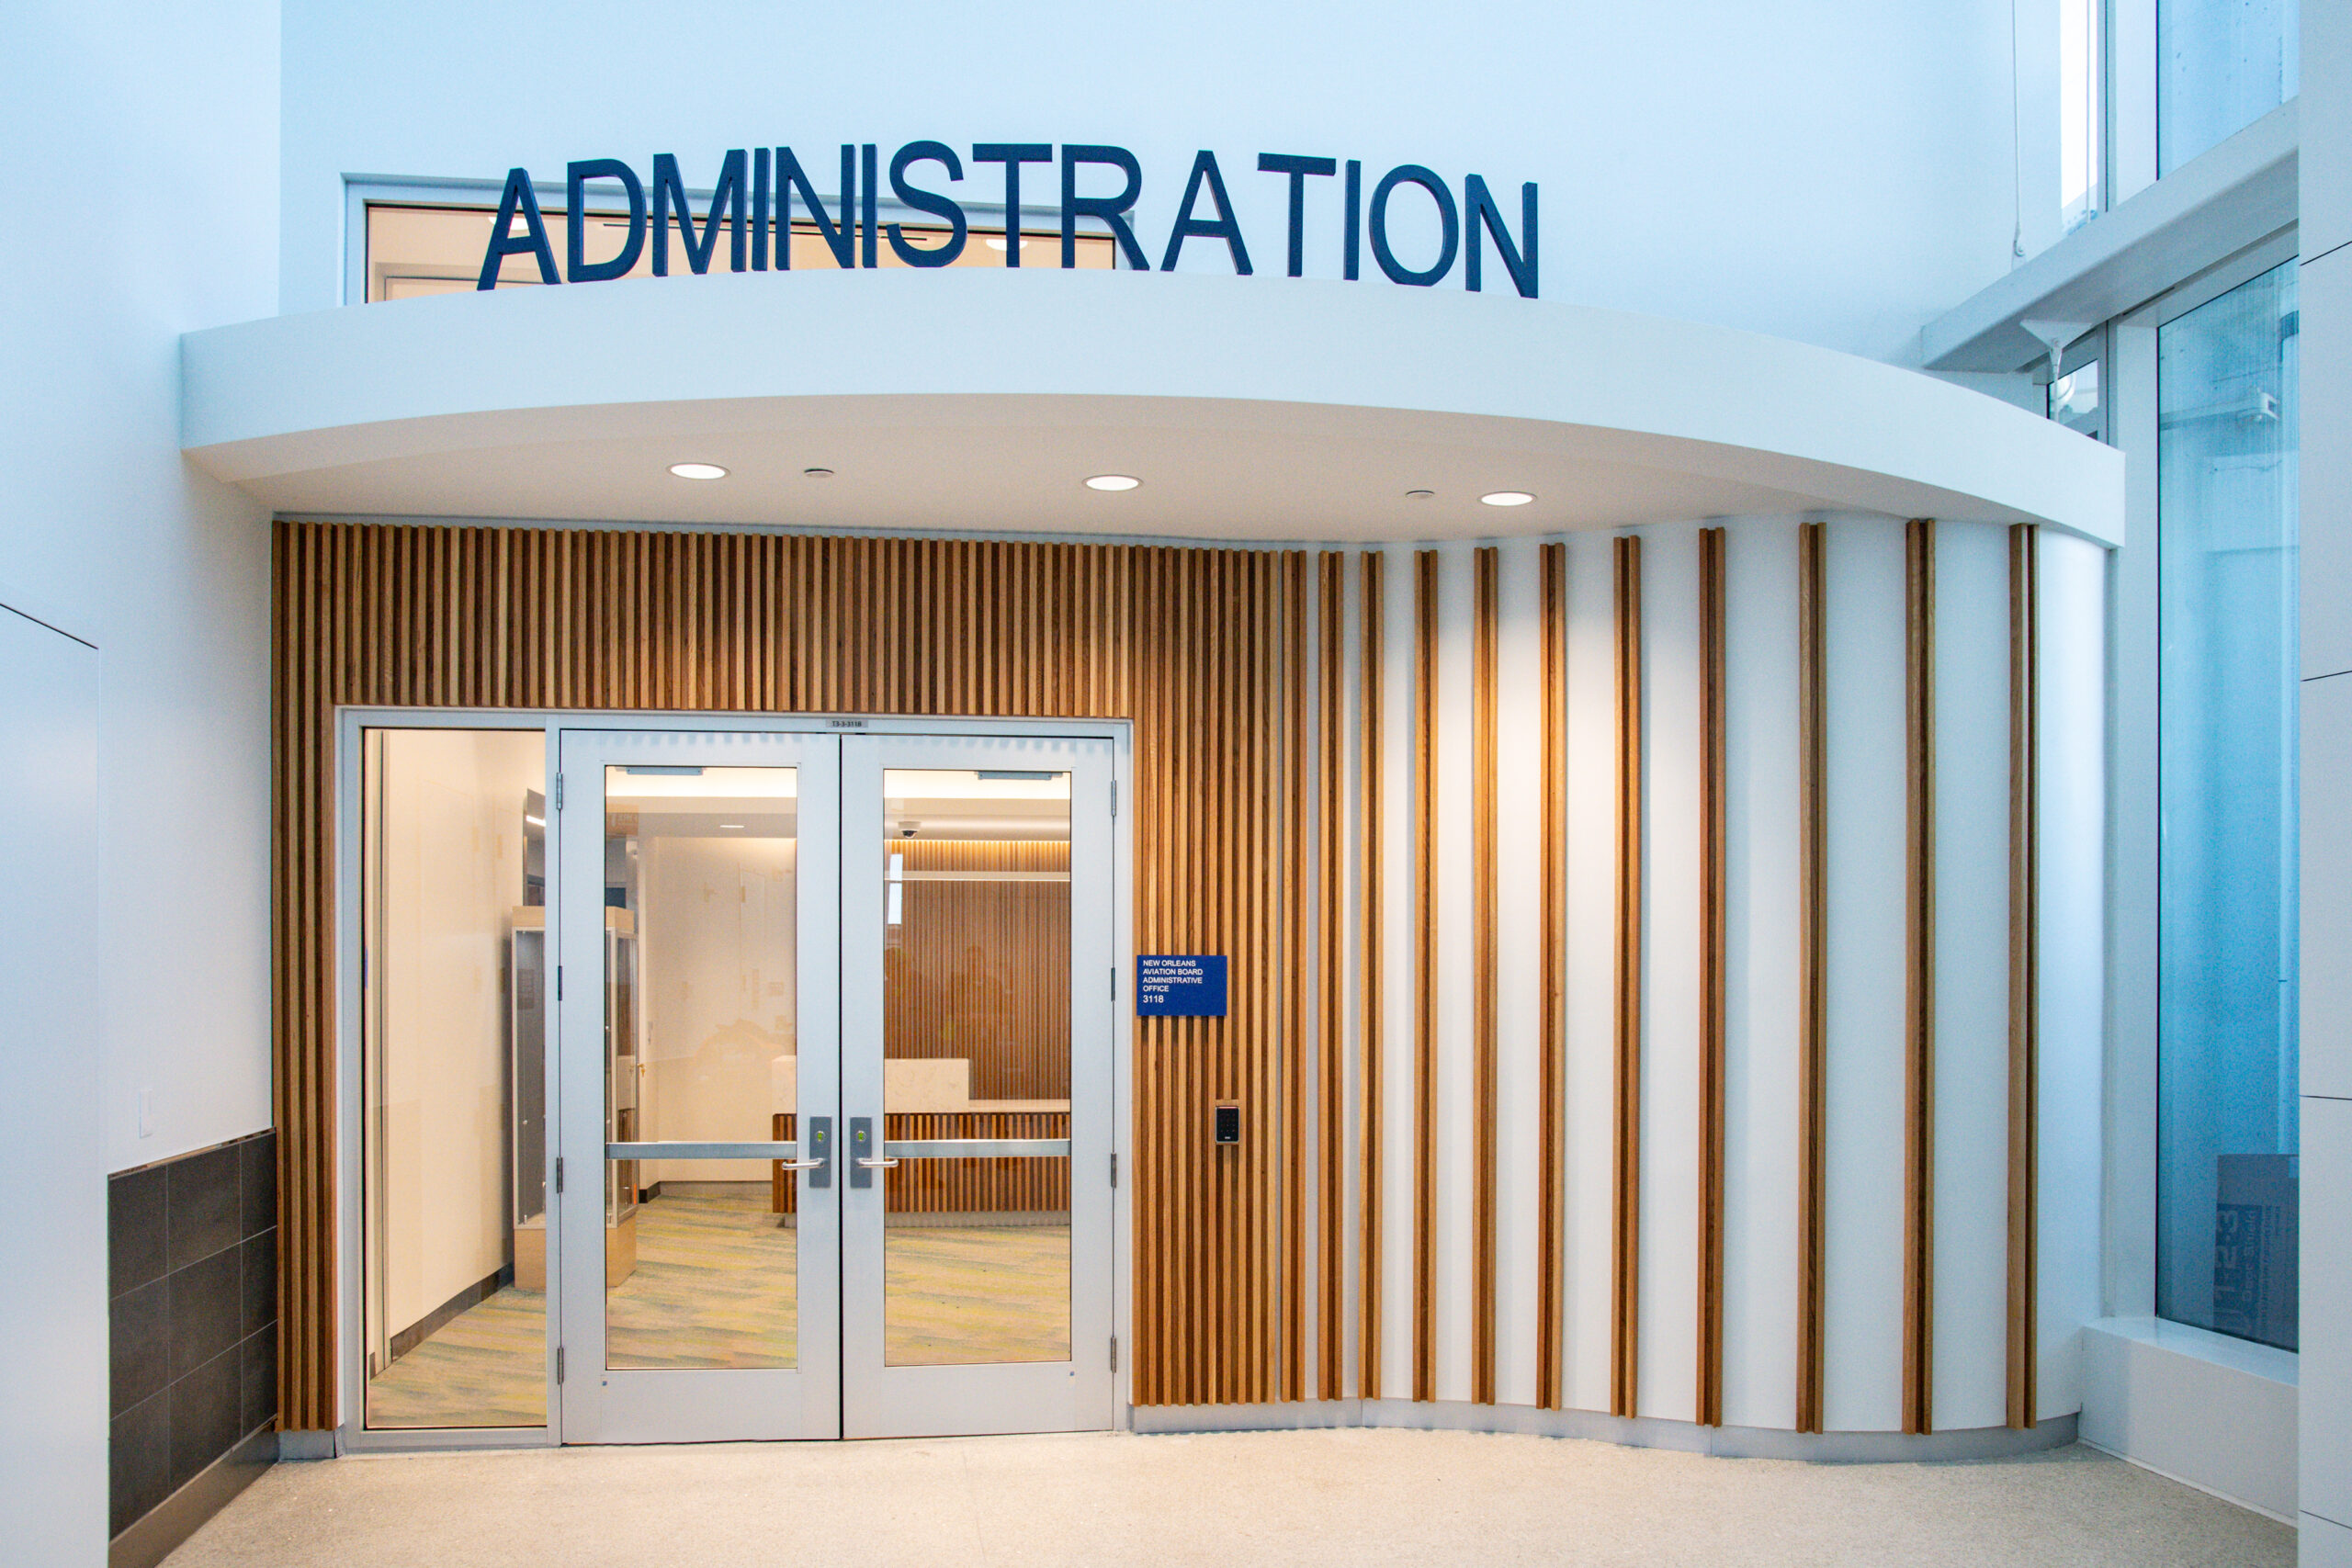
{"x": 2025, "y": 967}
{"x": 1712, "y": 791}
{"x": 1625, "y": 1305}
{"x": 1551, "y": 1198}
{"x": 1812, "y": 1067}
{"x": 1483, "y": 917}
{"x": 1425, "y": 1283}
{"x": 1919, "y": 987}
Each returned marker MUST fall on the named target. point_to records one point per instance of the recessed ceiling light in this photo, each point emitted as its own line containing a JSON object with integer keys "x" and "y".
{"x": 1419, "y": 494}
{"x": 1113, "y": 481}
{"x": 1507, "y": 498}
{"x": 817, "y": 473}
{"x": 730, "y": 824}
{"x": 996, "y": 243}
{"x": 699, "y": 470}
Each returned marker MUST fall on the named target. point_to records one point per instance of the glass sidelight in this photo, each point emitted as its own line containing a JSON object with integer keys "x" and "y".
{"x": 453, "y": 1086}
{"x": 976, "y": 1003}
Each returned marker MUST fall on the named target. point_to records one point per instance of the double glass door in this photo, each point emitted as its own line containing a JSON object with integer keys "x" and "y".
{"x": 834, "y": 1028}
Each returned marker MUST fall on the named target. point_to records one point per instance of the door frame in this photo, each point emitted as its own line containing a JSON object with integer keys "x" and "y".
{"x": 351, "y": 1435}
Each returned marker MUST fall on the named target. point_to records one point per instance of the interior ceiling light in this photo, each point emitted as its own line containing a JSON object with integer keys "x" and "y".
{"x": 817, "y": 473}
{"x": 699, "y": 470}
{"x": 1113, "y": 481}
{"x": 730, "y": 824}
{"x": 1506, "y": 498}
{"x": 1419, "y": 494}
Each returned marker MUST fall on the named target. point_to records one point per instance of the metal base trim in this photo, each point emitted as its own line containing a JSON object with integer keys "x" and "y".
{"x": 158, "y": 1532}
{"x": 1724, "y": 1442}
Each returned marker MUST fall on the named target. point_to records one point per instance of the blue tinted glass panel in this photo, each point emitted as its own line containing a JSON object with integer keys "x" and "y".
{"x": 2226, "y": 1148}
{"x": 2221, "y": 65}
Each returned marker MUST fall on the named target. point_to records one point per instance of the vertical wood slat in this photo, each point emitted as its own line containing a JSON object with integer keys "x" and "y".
{"x": 1812, "y": 925}
{"x": 1553, "y": 1023}
{"x": 1714, "y": 922}
{"x": 1208, "y": 662}
{"x": 1296, "y": 859}
{"x": 1370, "y": 988}
{"x": 1330, "y": 1140}
{"x": 1624, "y": 1362}
{"x": 1484, "y": 916}
{"x": 2025, "y": 972}
{"x": 1919, "y": 980}
{"x": 1424, "y": 974}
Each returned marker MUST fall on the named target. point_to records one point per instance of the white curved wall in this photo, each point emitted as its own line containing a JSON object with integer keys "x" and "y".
{"x": 1864, "y": 656}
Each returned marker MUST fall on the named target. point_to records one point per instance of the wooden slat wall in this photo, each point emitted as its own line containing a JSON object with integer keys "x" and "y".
{"x": 1197, "y": 646}
{"x": 1023, "y": 1185}
{"x": 1330, "y": 823}
{"x": 1714, "y": 786}
{"x": 1425, "y": 1283}
{"x": 1553, "y": 1020}
{"x": 1012, "y": 1023}
{"x": 1624, "y": 1366}
{"x": 1371, "y": 991}
{"x": 1919, "y": 981}
{"x": 2025, "y": 967}
{"x": 1485, "y": 1045}
{"x": 1250, "y": 803}
{"x": 1812, "y": 985}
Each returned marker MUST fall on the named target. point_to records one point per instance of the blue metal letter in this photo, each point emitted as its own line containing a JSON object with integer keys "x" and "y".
{"x": 1413, "y": 174}
{"x": 1297, "y": 166}
{"x": 1012, "y": 154}
{"x": 728, "y": 193}
{"x": 1112, "y": 209}
{"x": 927, "y": 201}
{"x": 839, "y": 237}
{"x": 1351, "y": 250}
{"x": 868, "y": 196}
{"x": 1478, "y": 207}
{"x": 577, "y": 268}
{"x": 517, "y": 195}
{"x": 759, "y": 209}
{"x": 1221, "y": 227}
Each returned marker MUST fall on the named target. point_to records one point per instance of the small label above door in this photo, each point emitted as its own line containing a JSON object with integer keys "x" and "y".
{"x": 1177, "y": 985}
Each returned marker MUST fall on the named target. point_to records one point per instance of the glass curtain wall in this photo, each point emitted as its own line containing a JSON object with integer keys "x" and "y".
{"x": 2082, "y": 108}
{"x": 2221, "y": 65}
{"x": 453, "y": 891}
{"x": 2226, "y": 1149}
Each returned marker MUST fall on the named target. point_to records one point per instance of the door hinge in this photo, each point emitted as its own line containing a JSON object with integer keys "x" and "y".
{"x": 1114, "y": 1168}
{"x": 559, "y": 1363}
{"x": 559, "y": 792}
{"x": 559, "y": 982}
{"x": 558, "y": 1173}
{"x": 1114, "y": 982}
{"x": 1115, "y": 1354}
{"x": 1114, "y": 797}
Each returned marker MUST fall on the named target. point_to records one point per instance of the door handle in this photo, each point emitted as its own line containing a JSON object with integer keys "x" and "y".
{"x": 800, "y": 1165}
{"x": 866, "y": 1151}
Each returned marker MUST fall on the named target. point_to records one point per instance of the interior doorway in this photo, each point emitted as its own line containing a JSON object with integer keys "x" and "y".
{"x": 804, "y": 1097}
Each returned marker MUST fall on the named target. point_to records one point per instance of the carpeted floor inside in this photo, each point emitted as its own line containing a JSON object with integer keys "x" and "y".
{"x": 1305, "y": 1498}
{"x": 714, "y": 1286}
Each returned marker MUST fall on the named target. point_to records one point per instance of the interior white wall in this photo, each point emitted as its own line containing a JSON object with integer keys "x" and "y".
{"x": 1835, "y": 171}
{"x": 2325, "y": 301}
{"x": 451, "y": 877}
{"x": 106, "y": 531}
{"x": 53, "y": 1292}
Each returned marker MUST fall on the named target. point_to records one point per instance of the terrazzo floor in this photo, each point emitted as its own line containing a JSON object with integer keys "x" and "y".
{"x": 714, "y": 1286}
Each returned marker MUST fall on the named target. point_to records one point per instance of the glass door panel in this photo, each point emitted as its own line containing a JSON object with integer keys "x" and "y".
{"x": 976, "y": 1066}
{"x": 976, "y": 905}
{"x": 700, "y": 881}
